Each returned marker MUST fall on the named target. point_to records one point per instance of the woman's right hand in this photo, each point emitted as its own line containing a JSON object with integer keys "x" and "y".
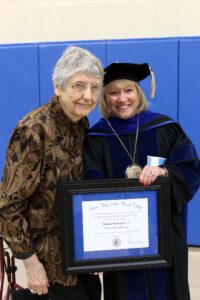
{"x": 37, "y": 280}
{"x": 150, "y": 173}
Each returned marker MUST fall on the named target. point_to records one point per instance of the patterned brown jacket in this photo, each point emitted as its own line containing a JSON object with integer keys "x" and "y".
{"x": 45, "y": 147}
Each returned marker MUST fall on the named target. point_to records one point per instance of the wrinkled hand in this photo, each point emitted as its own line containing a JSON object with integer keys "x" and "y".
{"x": 37, "y": 280}
{"x": 149, "y": 174}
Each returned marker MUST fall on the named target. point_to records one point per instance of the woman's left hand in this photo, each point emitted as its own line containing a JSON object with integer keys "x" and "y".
{"x": 149, "y": 174}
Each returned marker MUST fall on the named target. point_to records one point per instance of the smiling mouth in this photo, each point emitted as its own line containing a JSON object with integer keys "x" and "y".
{"x": 123, "y": 106}
{"x": 83, "y": 105}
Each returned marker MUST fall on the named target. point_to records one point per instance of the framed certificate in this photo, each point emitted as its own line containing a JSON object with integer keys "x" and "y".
{"x": 114, "y": 224}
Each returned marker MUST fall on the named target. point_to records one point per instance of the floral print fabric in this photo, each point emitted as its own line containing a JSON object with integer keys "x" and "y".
{"x": 44, "y": 148}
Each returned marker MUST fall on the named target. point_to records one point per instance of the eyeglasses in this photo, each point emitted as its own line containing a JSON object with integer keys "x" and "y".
{"x": 80, "y": 87}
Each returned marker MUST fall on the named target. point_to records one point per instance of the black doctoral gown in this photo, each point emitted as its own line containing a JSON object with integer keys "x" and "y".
{"x": 104, "y": 157}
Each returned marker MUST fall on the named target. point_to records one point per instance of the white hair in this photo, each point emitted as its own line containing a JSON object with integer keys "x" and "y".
{"x": 75, "y": 60}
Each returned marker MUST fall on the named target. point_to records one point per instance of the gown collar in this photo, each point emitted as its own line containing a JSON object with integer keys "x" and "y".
{"x": 147, "y": 120}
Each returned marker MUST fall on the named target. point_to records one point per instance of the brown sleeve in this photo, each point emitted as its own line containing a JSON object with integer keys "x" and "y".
{"x": 20, "y": 180}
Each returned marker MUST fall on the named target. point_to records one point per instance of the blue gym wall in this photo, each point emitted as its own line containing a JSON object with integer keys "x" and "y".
{"x": 25, "y": 83}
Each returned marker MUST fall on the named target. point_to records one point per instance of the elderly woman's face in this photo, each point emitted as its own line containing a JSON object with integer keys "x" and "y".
{"x": 80, "y": 95}
{"x": 122, "y": 98}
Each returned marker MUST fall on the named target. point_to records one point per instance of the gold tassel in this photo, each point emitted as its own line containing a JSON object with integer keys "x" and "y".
{"x": 153, "y": 84}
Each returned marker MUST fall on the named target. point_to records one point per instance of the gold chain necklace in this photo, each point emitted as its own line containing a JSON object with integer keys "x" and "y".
{"x": 133, "y": 170}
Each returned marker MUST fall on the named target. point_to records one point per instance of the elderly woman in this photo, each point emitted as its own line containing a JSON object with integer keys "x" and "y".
{"x": 46, "y": 146}
{"x": 118, "y": 146}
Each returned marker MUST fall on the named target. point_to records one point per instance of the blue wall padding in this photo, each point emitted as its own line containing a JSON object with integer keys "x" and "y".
{"x": 189, "y": 116}
{"x": 25, "y": 83}
{"x": 189, "y": 88}
{"x": 19, "y": 88}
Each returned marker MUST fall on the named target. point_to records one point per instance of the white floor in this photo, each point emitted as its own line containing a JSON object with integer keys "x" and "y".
{"x": 194, "y": 273}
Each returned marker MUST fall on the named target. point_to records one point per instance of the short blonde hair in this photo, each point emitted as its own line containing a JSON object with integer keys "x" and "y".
{"x": 143, "y": 105}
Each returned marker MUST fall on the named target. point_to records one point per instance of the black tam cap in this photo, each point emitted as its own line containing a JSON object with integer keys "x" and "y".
{"x": 134, "y": 72}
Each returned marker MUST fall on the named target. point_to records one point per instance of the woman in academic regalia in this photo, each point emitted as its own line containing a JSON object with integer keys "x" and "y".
{"x": 117, "y": 146}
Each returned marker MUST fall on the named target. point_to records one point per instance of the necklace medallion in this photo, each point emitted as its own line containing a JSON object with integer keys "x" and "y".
{"x": 134, "y": 170}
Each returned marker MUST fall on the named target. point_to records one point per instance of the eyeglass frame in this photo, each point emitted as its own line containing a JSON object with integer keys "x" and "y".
{"x": 84, "y": 86}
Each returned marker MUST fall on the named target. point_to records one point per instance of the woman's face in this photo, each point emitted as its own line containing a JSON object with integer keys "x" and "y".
{"x": 122, "y": 98}
{"x": 79, "y": 96}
